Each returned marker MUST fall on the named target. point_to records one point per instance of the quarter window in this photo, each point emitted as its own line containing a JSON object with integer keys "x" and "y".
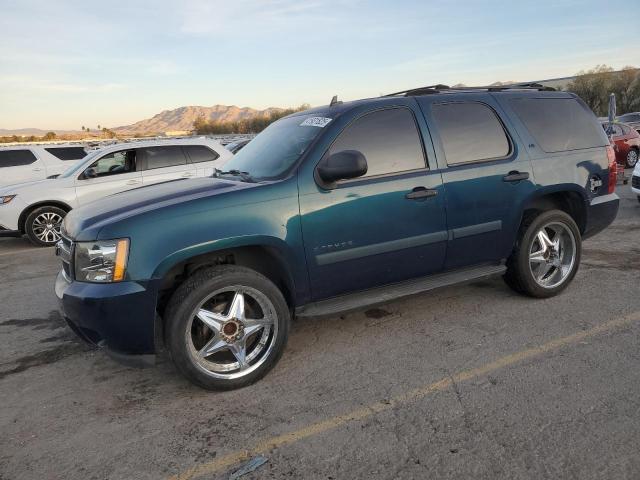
{"x": 559, "y": 124}
{"x": 16, "y": 158}
{"x": 162, "y": 157}
{"x": 389, "y": 140}
{"x": 200, "y": 153}
{"x": 470, "y": 132}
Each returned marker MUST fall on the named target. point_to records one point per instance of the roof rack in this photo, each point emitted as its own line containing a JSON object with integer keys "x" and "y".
{"x": 431, "y": 89}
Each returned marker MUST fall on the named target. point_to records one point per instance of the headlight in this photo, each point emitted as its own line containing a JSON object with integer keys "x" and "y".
{"x": 6, "y": 199}
{"x": 102, "y": 261}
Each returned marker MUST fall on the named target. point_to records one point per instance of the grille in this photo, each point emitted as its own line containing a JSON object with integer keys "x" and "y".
{"x": 635, "y": 181}
{"x": 64, "y": 250}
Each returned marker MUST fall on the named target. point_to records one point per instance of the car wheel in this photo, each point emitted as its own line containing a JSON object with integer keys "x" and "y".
{"x": 632, "y": 158}
{"x": 546, "y": 256}
{"x": 43, "y": 225}
{"x": 226, "y": 326}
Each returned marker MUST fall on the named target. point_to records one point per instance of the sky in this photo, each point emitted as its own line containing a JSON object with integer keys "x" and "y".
{"x": 65, "y": 64}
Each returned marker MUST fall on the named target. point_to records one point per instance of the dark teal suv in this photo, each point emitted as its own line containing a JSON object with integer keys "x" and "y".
{"x": 336, "y": 208}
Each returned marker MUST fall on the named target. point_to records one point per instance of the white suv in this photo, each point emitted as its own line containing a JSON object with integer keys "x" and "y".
{"x": 38, "y": 208}
{"x": 36, "y": 162}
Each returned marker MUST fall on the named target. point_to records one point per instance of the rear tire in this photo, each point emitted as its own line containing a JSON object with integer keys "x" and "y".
{"x": 546, "y": 256}
{"x": 220, "y": 341}
{"x": 43, "y": 225}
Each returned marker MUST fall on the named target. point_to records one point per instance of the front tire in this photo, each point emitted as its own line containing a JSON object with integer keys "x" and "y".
{"x": 632, "y": 158}
{"x": 546, "y": 256}
{"x": 43, "y": 225}
{"x": 227, "y": 326}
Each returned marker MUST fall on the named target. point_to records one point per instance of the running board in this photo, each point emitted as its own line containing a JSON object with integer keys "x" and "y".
{"x": 384, "y": 294}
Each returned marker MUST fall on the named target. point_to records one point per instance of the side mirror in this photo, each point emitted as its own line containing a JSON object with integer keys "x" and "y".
{"x": 342, "y": 166}
{"x": 90, "y": 173}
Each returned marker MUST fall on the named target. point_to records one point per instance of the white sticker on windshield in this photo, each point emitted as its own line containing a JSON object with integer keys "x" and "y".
{"x": 316, "y": 122}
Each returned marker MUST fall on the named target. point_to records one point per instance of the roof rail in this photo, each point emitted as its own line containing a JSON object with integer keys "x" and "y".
{"x": 431, "y": 89}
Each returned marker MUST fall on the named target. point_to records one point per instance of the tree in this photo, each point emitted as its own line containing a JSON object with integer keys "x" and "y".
{"x": 50, "y": 136}
{"x": 83, "y": 128}
{"x": 98, "y": 126}
{"x": 594, "y": 87}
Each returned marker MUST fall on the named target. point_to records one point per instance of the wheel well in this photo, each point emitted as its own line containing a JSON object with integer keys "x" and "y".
{"x": 569, "y": 202}
{"x": 264, "y": 260}
{"x": 49, "y": 203}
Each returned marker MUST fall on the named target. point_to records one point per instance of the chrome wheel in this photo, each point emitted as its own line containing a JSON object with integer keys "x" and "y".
{"x": 632, "y": 158}
{"x": 552, "y": 254}
{"x": 232, "y": 332}
{"x": 46, "y": 227}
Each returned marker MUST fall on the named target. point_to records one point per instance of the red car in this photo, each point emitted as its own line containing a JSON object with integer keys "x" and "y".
{"x": 626, "y": 143}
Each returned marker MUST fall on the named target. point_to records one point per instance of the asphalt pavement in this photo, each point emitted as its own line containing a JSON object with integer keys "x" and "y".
{"x": 472, "y": 381}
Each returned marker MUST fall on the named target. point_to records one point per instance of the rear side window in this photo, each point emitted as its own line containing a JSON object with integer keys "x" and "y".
{"x": 16, "y": 158}
{"x": 559, "y": 124}
{"x": 389, "y": 140}
{"x": 470, "y": 132}
{"x": 200, "y": 153}
{"x": 67, "y": 153}
{"x": 162, "y": 157}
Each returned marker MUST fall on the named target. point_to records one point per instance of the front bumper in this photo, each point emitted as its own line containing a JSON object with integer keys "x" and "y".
{"x": 118, "y": 316}
{"x": 10, "y": 213}
{"x": 601, "y": 212}
{"x": 635, "y": 183}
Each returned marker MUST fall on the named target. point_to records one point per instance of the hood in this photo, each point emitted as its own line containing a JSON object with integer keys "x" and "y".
{"x": 99, "y": 213}
{"x": 16, "y": 188}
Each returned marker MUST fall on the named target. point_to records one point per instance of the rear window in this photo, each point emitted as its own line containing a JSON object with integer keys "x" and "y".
{"x": 559, "y": 124}
{"x": 16, "y": 158}
{"x": 67, "y": 153}
{"x": 470, "y": 132}
{"x": 162, "y": 157}
{"x": 200, "y": 153}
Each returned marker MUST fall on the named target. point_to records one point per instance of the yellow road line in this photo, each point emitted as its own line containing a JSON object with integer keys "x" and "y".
{"x": 332, "y": 423}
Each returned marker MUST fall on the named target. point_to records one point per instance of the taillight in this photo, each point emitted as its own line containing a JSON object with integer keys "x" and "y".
{"x": 613, "y": 169}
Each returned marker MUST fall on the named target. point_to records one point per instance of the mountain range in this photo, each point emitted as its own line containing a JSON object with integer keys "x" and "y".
{"x": 178, "y": 119}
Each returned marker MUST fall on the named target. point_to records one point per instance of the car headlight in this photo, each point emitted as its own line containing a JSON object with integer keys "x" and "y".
{"x": 102, "y": 261}
{"x": 6, "y": 199}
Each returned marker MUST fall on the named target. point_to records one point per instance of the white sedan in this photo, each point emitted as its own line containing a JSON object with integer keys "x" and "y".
{"x": 38, "y": 208}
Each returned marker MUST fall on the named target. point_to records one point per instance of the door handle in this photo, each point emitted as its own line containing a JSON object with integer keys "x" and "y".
{"x": 37, "y": 169}
{"x": 187, "y": 174}
{"x": 515, "y": 176}
{"x": 421, "y": 192}
{"x": 133, "y": 182}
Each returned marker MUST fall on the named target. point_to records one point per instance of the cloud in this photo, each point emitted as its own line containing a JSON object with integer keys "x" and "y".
{"x": 250, "y": 17}
{"x": 18, "y": 82}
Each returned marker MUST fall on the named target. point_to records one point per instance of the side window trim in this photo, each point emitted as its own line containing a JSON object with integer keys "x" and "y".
{"x": 137, "y": 163}
{"x": 508, "y": 157}
{"x": 341, "y": 183}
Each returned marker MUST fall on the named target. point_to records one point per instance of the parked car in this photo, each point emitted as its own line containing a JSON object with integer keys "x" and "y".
{"x": 635, "y": 181}
{"x": 38, "y": 208}
{"x": 631, "y": 119}
{"x": 235, "y": 147}
{"x": 333, "y": 209}
{"x": 36, "y": 162}
{"x": 626, "y": 143}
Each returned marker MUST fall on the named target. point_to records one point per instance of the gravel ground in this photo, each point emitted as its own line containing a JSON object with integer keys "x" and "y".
{"x": 465, "y": 382}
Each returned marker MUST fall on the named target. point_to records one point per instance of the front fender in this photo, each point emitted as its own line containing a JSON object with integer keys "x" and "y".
{"x": 218, "y": 245}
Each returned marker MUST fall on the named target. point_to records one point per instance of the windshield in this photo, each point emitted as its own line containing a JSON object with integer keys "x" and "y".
{"x": 278, "y": 147}
{"x": 71, "y": 171}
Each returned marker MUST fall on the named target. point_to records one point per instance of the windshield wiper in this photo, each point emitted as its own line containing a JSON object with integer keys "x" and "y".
{"x": 245, "y": 176}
